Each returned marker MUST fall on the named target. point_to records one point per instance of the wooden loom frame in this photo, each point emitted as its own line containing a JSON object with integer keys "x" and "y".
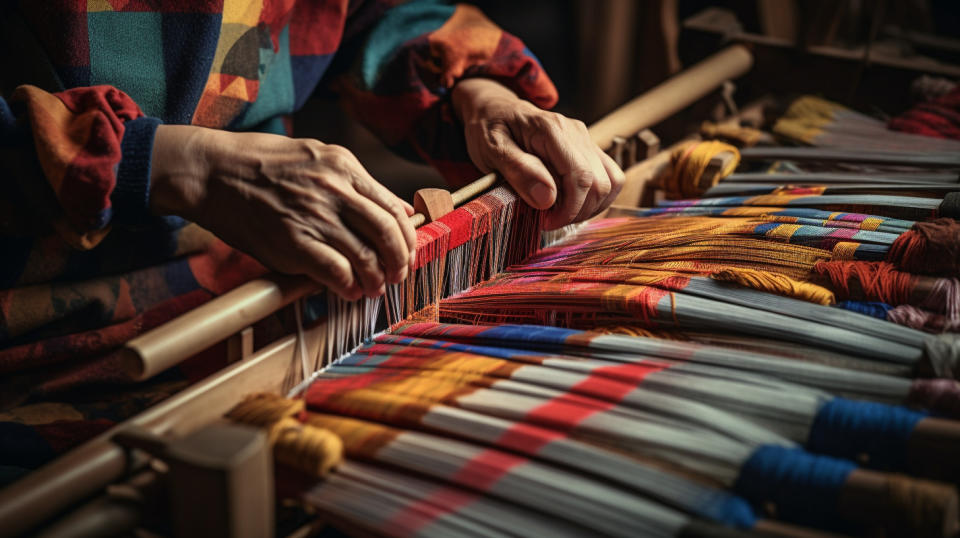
{"x": 99, "y": 462}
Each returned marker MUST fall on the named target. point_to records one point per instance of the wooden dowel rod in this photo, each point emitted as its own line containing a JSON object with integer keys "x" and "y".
{"x": 673, "y": 95}
{"x": 200, "y": 328}
{"x": 216, "y": 320}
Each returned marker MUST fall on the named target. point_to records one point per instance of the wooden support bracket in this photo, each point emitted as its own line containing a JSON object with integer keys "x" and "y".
{"x": 646, "y": 144}
{"x": 240, "y": 345}
{"x": 220, "y": 479}
{"x": 617, "y": 152}
{"x": 433, "y": 203}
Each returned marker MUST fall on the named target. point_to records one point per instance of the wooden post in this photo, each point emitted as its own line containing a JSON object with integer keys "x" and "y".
{"x": 647, "y": 145}
{"x": 240, "y": 345}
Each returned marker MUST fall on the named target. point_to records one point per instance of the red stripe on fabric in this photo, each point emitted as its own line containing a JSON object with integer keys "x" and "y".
{"x": 479, "y": 473}
{"x": 633, "y": 372}
{"x": 419, "y": 514}
{"x": 569, "y": 410}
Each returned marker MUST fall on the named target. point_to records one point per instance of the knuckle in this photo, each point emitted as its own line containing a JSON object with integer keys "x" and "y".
{"x": 312, "y": 147}
{"x": 340, "y": 275}
{"x": 339, "y": 157}
{"x": 584, "y": 181}
{"x": 366, "y": 257}
{"x": 603, "y": 188}
{"x": 618, "y": 178}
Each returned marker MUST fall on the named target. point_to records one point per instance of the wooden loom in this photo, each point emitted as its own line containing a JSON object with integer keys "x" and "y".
{"x": 110, "y": 457}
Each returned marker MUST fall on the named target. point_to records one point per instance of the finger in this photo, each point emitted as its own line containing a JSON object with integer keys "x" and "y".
{"x": 382, "y": 232}
{"x": 616, "y": 177}
{"x": 400, "y": 210}
{"x": 578, "y": 182}
{"x": 599, "y": 190}
{"x": 364, "y": 261}
{"x": 526, "y": 173}
{"x": 331, "y": 269}
{"x": 566, "y": 148}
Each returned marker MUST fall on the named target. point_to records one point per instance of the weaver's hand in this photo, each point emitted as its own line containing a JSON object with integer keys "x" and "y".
{"x": 297, "y": 205}
{"x": 536, "y": 151}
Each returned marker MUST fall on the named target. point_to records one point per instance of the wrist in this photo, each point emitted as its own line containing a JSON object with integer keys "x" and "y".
{"x": 180, "y": 168}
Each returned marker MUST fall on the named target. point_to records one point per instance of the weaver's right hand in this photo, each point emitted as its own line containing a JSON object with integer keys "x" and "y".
{"x": 297, "y": 205}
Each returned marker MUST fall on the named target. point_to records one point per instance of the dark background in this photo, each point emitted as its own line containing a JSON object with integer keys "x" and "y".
{"x": 600, "y": 53}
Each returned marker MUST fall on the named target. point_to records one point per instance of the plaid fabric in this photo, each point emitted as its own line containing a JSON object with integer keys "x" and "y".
{"x": 86, "y": 267}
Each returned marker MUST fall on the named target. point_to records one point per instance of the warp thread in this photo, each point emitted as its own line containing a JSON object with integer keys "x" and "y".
{"x": 857, "y": 429}
{"x": 940, "y": 396}
{"x": 304, "y": 447}
{"x": 776, "y": 283}
{"x": 688, "y": 178}
{"x": 930, "y": 248}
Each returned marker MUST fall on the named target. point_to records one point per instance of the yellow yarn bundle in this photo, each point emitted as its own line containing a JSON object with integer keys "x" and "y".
{"x": 689, "y": 176}
{"x": 777, "y": 283}
{"x": 307, "y": 448}
{"x": 806, "y": 118}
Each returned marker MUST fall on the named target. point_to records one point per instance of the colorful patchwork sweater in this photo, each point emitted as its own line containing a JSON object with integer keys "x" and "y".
{"x": 85, "y": 266}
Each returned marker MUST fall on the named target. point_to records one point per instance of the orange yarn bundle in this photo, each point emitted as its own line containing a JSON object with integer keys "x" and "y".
{"x": 879, "y": 281}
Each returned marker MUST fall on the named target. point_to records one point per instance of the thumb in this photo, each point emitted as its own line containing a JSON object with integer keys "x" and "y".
{"x": 524, "y": 172}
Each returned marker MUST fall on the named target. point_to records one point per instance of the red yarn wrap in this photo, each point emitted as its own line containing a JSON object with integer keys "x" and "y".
{"x": 929, "y": 248}
{"x": 940, "y": 396}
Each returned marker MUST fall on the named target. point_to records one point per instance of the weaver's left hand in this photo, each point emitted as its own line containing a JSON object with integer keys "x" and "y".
{"x": 538, "y": 152}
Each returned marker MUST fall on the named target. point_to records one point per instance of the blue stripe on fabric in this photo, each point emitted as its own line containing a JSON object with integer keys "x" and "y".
{"x": 489, "y": 351}
{"x": 763, "y": 229}
{"x": 871, "y": 252}
{"x": 802, "y": 487}
{"x": 530, "y": 333}
{"x": 361, "y": 363}
{"x": 851, "y": 429}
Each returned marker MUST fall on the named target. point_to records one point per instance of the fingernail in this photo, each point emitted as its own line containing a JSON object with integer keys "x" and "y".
{"x": 542, "y": 195}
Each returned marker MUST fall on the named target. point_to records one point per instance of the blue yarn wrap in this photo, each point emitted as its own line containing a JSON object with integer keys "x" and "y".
{"x": 868, "y": 308}
{"x": 803, "y": 487}
{"x": 851, "y": 428}
{"x": 722, "y": 507}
